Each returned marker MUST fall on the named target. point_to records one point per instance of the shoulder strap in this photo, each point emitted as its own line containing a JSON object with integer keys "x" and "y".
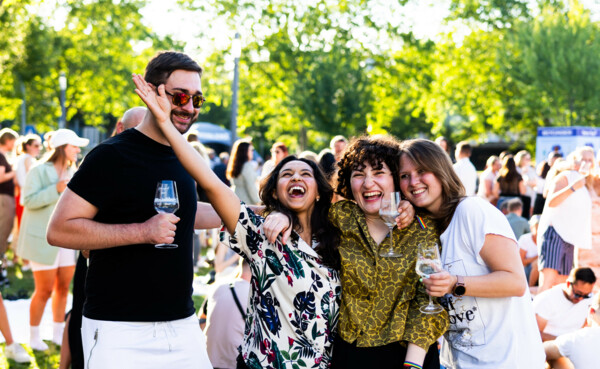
{"x": 237, "y": 301}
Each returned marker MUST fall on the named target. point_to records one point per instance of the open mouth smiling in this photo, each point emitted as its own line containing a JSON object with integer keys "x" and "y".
{"x": 372, "y": 195}
{"x": 296, "y": 191}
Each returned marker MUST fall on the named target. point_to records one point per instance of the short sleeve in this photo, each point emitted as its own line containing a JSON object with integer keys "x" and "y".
{"x": 565, "y": 343}
{"x": 98, "y": 163}
{"x": 248, "y": 237}
{"x": 477, "y": 214}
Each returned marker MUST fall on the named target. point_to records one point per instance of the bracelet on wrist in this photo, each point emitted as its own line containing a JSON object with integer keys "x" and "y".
{"x": 411, "y": 365}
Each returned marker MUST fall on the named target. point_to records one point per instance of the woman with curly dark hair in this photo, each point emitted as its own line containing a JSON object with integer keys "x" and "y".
{"x": 294, "y": 302}
{"x": 380, "y": 323}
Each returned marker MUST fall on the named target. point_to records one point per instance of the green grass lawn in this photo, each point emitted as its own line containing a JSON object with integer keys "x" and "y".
{"x": 21, "y": 285}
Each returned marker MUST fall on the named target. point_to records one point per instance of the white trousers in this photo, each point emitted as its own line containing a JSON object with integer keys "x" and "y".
{"x": 174, "y": 344}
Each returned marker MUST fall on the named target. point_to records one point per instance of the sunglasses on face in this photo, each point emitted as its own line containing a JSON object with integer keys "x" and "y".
{"x": 579, "y": 295}
{"x": 181, "y": 99}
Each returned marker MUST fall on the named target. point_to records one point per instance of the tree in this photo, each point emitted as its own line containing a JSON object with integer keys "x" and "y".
{"x": 556, "y": 60}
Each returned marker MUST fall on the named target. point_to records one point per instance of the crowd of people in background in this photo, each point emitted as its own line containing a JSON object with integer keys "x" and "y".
{"x": 299, "y": 277}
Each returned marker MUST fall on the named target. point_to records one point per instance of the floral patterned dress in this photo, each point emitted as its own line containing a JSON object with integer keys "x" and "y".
{"x": 294, "y": 302}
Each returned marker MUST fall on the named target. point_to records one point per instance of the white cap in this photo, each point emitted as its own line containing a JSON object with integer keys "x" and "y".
{"x": 66, "y": 136}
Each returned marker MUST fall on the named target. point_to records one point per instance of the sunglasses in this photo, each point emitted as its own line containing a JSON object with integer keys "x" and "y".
{"x": 579, "y": 295}
{"x": 181, "y": 99}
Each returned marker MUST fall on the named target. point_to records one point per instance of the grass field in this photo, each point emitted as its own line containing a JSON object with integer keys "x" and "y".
{"x": 21, "y": 286}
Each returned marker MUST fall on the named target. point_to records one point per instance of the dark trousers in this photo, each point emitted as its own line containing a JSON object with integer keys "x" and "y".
{"x": 349, "y": 356}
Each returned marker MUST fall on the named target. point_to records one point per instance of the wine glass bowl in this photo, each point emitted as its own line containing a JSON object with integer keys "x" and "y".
{"x": 429, "y": 262}
{"x": 166, "y": 201}
{"x": 388, "y": 213}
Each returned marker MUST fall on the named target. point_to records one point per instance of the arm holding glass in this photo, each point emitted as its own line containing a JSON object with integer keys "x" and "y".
{"x": 72, "y": 226}
{"x": 506, "y": 279}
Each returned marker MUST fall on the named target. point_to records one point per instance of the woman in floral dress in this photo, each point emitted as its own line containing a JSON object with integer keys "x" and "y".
{"x": 294, "y": 301}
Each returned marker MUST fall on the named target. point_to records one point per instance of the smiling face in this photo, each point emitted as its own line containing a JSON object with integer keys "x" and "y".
{"x": 189, "y": 83}
{"x": 423, "y": 189}
{"x": 71, "y": 152}
{"x": 369, "y": 185}
{"x": 33, "y": 148}
{"x": 296, "y": 187}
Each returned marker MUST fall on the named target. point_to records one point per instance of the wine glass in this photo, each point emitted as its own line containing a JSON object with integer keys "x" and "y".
{"x": 166, "y": 201}
{"x": 585, "y": 168}
{"x": 388, "y": 212}
{"x": 429, "y": 262}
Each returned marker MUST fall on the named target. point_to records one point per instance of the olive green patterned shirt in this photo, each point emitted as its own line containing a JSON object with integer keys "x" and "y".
{"x": 381, "y": 296}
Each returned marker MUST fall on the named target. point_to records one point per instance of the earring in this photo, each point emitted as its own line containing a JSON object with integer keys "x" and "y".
{"x": 318, "y": 198}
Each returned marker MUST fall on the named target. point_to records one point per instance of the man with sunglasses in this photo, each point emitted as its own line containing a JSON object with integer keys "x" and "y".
{"x": 577, "y": 349}
{"x": 138, "y": 311}
{"x": 563, "y": 308}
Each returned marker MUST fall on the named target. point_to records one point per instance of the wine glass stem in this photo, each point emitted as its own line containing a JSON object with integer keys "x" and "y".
{"x": 391, "y": 238}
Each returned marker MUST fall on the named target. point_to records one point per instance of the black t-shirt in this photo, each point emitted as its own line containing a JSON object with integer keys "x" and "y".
{"x": 137, "y": 282}
{"x": 6, "y": 187}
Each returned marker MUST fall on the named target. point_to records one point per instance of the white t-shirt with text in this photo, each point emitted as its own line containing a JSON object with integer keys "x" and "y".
{"x": 485, "y": 332}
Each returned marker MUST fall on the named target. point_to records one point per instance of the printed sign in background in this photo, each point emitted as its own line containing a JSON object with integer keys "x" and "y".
{"x": 566, "y": 139}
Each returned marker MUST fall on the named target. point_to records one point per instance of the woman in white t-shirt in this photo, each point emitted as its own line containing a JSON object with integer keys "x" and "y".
{"x": 492, "y": 324}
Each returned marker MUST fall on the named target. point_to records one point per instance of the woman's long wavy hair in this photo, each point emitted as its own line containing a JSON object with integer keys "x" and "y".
{"x": 239, "y": 157}
{"x": 322, "y": 229}
{"x": 58, "y": 155}
{"x": 374, "y": 150}
{"x": 430, "y": 157}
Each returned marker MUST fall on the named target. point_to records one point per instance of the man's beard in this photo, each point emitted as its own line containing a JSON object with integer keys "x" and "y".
{"x": 182, "y": 127}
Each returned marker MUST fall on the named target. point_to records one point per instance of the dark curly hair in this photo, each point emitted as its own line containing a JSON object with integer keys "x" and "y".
{"x": 374, "y": 150}
{"x": 322, "y": 229}
{"x": 164, "y": 63}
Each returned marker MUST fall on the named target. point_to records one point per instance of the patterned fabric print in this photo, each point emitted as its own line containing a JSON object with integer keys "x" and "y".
{"x": 294, "y": 302}
{"x": 381, "y": 296}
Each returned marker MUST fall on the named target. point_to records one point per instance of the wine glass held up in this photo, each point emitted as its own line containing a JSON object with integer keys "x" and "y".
{"x": 429, "y": 262}
{"x": 166, "y": 201}
{"x": 388, "y": 212}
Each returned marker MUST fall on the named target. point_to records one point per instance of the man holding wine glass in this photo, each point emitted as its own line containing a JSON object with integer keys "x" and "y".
{"x": 138, "y": 310}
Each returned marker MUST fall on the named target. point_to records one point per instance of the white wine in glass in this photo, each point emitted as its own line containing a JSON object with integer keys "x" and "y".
{"x": 166, "y": 201}
{"x": 429, "y": 262}
{"x": 388, "y": 212}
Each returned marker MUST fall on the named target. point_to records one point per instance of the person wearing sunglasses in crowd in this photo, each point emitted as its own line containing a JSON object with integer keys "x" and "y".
{"x": 563, "y": 308}
{"x": 138, "y": 310}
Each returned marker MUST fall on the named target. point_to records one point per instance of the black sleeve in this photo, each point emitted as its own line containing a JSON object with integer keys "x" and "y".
{"x": 97, "y": 176}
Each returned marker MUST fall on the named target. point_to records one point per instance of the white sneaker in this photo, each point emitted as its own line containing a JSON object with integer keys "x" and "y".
{"x": 17, "y": 353}
{"x": 38, "y": 345}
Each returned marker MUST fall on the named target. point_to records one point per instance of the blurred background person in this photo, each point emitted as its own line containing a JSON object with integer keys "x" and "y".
{"x": 530, "y": 177}
{"x": 444, "y": 144}
{"x": 518, "y": 224}
{"x": 539, "y": 202}
{"x": 578, "y": 349}
{"x": 130, "y": 119}
{"x": 278, "y": 152}
{"x": 327, "y": 163}
{"x": 487, "y": 179}
{"x": 226, "y": 313}
{"x": 310, "y": 155}
{"x": 566, "y": 222}
{"x": 28, "y": 150}
{"x": 12, "y": 350}
{"x": 464, "y": 168}
{"x": 52, "y": 267}
{"x": 528, "y": 250}
{"x": 241, "y": 172}
{"x": 509, "y": 183}
{"x": 338, "y": 146}
{"x": 220, "y": 169}
{"x": 8, "y": 137}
